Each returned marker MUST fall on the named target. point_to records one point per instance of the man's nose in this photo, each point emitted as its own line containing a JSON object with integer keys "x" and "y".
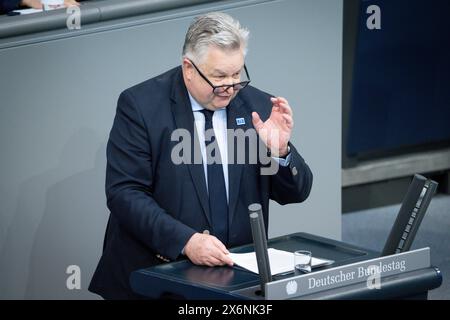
{"x": 230, "y": 89}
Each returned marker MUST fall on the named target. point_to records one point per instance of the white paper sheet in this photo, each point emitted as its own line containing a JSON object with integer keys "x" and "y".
{"x": 280, "y": 261}
{"x": 28, "y": 11}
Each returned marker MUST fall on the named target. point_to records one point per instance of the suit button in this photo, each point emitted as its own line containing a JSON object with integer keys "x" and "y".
{"x": 294, "y": 171}
{"x": 205, "y": 231}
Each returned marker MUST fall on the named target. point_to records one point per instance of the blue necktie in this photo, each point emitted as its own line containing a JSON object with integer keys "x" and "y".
{"x": 218, "y": 205}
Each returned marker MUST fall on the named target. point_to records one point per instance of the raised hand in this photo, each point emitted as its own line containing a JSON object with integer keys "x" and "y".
{"x": 275, "y": 132}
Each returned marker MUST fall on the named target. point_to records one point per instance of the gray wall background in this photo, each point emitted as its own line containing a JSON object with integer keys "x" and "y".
{"x": 58, "y": 98}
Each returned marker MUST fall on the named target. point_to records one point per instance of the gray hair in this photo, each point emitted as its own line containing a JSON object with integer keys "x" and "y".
{"x": 217, "y": 29}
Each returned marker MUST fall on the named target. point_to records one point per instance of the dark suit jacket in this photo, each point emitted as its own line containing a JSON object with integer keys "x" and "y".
{"x": 8, "y": 5}
{"x": 156, "y": 205}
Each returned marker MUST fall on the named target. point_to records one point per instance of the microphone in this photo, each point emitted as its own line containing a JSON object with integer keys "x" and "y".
{"x": 411, "y": 213}
{"x": 260, "y": 244}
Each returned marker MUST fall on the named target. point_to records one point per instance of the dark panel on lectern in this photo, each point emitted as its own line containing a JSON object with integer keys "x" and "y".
{"x": 401, "y": 80}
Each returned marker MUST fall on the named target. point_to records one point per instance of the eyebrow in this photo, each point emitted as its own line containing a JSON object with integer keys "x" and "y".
{"x": 220, "y": 72}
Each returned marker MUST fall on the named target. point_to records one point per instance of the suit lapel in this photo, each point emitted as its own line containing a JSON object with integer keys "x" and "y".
{"x": 235, "y": 114}
{"x": 184, "y": 118}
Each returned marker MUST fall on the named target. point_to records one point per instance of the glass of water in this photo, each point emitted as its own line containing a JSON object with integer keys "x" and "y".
{"x": 302, "y": 261}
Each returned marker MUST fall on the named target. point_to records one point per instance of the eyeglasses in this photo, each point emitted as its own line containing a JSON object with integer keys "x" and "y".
{"x": 220, "y": 90}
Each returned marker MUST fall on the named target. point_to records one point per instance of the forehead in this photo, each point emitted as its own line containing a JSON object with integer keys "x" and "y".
{"x": 226, "y": 61}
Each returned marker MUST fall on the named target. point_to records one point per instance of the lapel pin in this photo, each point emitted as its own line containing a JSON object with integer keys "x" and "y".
{"x": 240, "y": 121}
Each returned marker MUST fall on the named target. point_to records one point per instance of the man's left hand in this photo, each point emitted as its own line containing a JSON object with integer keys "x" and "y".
{"x": 275, "y": 132}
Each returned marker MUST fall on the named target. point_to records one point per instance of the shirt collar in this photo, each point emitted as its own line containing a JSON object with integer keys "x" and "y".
{"x": 197, "y": 106}
{"x": 194, "y": 104}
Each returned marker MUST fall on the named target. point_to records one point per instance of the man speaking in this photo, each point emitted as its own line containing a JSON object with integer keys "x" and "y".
{"x": 163, "y": 209}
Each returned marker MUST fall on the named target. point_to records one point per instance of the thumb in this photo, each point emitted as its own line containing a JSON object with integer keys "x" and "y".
{"x": 257, "y": 122}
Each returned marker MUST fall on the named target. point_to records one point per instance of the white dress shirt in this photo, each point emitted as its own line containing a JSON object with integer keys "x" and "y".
{"x": 220, "y": 131}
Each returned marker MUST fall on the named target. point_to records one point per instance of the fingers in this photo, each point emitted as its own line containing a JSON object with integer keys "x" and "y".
{"x": 216, "y": 257}
{"x": 289, "y": 120}
{"x": 213, "y": 261}
{"x": 227, "y": 260}
{"x": 223, "y": 254}
{"x": 36, "y": 4}
{"x": 223, "y": 259}
{"x": 69, "y": 3}
{"x": 283, "y": 104}
{"x": 207, "y": 250}
{"x": 257, "y": 122}
{"x": 219, "y": 253}
{"x": 220, "y": 245}
{"x": 279, "y": 100}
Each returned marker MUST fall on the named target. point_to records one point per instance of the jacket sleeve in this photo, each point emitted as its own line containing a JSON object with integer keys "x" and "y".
{"x": 8, "y": 5}
{"x": 129, "y": 184}
{"x": 293, "y": 183}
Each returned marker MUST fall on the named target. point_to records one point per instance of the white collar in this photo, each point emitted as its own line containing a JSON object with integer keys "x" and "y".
{"x": 197, "y": 106}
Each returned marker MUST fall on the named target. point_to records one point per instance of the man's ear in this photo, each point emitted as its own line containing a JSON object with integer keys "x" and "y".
{"x": 188, "y": 69}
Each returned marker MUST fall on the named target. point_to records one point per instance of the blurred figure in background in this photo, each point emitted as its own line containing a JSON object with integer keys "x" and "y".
{"x": 9, "y": 5}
